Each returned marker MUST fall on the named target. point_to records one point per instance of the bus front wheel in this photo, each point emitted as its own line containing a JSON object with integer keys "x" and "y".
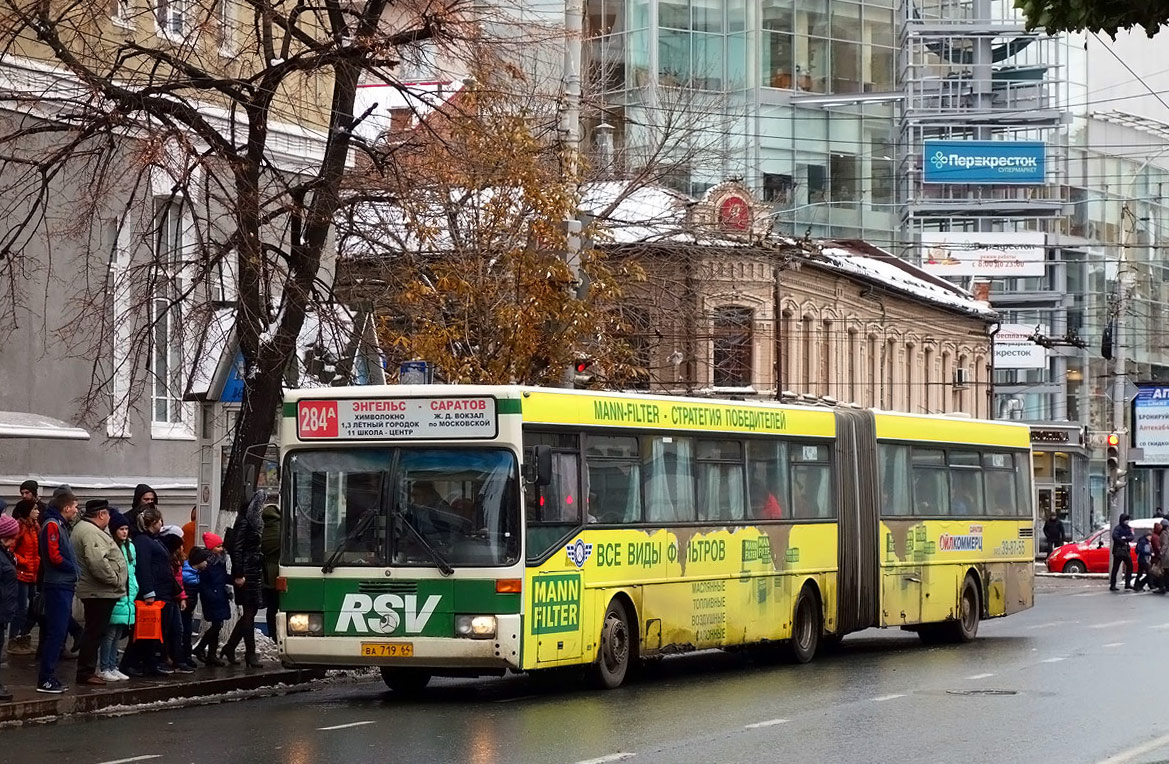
{"x": 405, "y": 681}
{"x": 805, "y": 628}
{"x": 616, "y": 650}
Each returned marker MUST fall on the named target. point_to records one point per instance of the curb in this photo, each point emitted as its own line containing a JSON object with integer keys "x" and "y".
{"x": 1101, "y": 576}
{"x": 52, "y": 707}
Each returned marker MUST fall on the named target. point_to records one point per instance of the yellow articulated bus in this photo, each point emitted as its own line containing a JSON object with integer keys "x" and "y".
{"x": 469, "y": 530}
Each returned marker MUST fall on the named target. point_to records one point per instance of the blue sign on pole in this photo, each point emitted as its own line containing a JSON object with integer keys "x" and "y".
{"x": 414, "y": 373}
{"x": 985, "y": 162}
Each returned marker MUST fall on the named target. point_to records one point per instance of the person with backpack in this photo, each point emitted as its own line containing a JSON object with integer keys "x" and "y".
{"x": 215, "y": 598}
{"x": 1122, "y": 536}
{"x": 1144, "y": 560}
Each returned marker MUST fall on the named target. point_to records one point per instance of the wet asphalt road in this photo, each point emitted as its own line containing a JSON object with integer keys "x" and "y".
{"x": 1059, "y": 683}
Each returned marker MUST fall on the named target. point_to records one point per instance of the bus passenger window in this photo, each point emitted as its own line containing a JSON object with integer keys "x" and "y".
{"x": 1000, "y": 484}
{"x": 721, "y": 493}
{"x": 667, "y": 465}
{"x": 931, "y": 483}
{"x": 966, "y": 484}
{"x": 614, "y": 470}
{"x": 811, "y": 483}
{"x": 894, "y": 466}
{"x": 767, "y": 479}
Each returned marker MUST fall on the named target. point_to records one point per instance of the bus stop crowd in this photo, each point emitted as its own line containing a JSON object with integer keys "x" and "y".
{"x": 122, "y": 589}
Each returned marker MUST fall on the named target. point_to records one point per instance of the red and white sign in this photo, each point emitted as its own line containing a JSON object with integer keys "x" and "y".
{"x": 396, "y": 419}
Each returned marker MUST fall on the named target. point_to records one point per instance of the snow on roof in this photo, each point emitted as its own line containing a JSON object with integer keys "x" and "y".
{"x": 900, "y": 276}
{"x": 419, "y": 100}
{"x": 210, "y": 353}
{"x": 643, "y": 214}
{"x": 23, "y": 424}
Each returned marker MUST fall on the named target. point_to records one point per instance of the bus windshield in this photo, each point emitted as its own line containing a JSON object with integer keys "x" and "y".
{"x": 396, "y": 506}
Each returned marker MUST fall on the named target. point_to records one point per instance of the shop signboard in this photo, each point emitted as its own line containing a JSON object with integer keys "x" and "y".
{"x": 989, "y": 254}
{"x": 1013, "y": 348}
{"x": 990, "y": 162}
{"x": 1150, "y": 419}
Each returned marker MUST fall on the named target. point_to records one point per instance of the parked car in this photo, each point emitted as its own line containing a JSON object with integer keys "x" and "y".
{"x": 1094, "y": 554}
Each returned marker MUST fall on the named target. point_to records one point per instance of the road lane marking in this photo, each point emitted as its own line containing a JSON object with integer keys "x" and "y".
{"x": 1109, "y": 625}
{"x": 768, "y": 723}
{"x": 1051, "y": 660}
{"x": 611, "y": 757}
{"x": 1132, "y": 753}
{"x": 979, "y": 676}
{"x": 1160, "y": 626}
{"x": 345, "y": 726}
{"x": 1115, "y": 644}
{"x": 883, "y": 698}
{"x": 515, "y": 699}
{"x": 1047, "y": 625}
{"x": 133, "y": 758}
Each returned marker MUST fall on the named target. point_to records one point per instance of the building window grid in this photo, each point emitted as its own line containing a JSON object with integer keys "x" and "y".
{"x": 166, "y": 360}
{"x": 732, "y": 346}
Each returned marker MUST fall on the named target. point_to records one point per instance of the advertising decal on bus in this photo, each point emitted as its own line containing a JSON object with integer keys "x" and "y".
{"x": 397, "y": 418}
{"x": 361, "y": 613}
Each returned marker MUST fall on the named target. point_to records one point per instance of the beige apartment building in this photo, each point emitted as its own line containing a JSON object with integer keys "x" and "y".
{"x": 729, "y": 309}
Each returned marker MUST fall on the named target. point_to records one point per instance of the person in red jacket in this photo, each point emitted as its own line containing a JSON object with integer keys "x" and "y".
{"x": 28, "y": 562}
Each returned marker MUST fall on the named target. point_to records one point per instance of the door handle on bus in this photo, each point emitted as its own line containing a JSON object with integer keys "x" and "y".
{"x": 914, "y": 579}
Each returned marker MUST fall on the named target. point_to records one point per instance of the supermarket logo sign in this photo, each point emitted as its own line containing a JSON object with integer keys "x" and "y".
{"x": 990, "y": 162}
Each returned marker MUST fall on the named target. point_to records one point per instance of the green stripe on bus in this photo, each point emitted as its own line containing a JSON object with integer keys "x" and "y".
{"x": 290, "y": 409}
{"x": 508, "y": 406}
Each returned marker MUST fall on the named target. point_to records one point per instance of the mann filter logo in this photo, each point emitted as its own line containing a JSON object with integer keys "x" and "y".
{"x": 556, "y": 603}
{"x": 578, "y": 553}
{"x": 969, "y": 542}
{"x": 757, "y": 549}
{"x": 385, "y": 613}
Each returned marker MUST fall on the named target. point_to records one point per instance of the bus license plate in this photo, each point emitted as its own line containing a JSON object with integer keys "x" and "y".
{"x": 387, "y": 649}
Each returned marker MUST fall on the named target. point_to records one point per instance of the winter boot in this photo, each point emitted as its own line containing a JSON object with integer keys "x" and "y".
{"x": 21, "y": 646}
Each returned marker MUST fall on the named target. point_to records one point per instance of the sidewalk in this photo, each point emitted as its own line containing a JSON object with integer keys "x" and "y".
{"x": 28, "y": 704}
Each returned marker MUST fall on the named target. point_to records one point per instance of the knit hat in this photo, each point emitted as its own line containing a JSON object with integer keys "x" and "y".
{"x": 30, "y": 485}
{"x": 63, "y": 495}
{"x": 8, "y": 527}
{"x": 93, "y": 507}
{"x": 117, "y": 520}
{"x": 198, "y": 555}
{"x": 210, "y": 540}
{"x": 171, "y": 530}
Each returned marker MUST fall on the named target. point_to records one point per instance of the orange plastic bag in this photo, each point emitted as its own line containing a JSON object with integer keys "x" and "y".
{"x": 148, "y": 620}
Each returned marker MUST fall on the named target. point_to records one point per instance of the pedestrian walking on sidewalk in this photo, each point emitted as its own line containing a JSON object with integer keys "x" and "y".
{"x": 59, "y": 578}
{"x": 1122, "y": 536}
{"x": 1144, "y": 550}
{"x": 28, "y": 562}
{"x": 215, "y": 598}
{"x": 122, "y": 616}
{"x": 9, "y": 612}
{"x": 247, "y": 572}
{"x": 177, "y": 646}
{"x": 193, "y": 568}
{"x": 101, "y": 582}
{"x": 1053, "y": 532}
{"x": 270, "y": 549}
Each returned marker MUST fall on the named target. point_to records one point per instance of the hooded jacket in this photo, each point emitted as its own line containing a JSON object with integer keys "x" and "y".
{"x": 140, "y": 490}
{"x": 156, "y": 578}
{"x": 58, "y": 562}
{"x": 27, "y": 550}
{"x": 247, "y": 560}
{"x": 213, "y": 589}
{"x": 124, "y": 608}
{"x": 270, "y": 544}
{"x": 100, "y": 564}
{"x": 8, "y": 586}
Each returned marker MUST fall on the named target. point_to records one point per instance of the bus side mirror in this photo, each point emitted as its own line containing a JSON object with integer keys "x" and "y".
{"x": 538, "y": 465}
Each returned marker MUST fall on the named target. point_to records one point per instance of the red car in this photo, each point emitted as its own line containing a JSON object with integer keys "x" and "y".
{"x": 1094, "y": 554}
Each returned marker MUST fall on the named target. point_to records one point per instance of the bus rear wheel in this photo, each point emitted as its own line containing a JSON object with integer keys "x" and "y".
{"x": 805, "y": 628}
{"x": 616, "y": 649}
{"x": 965, "y": 627}
{"x": 405, "y": 681}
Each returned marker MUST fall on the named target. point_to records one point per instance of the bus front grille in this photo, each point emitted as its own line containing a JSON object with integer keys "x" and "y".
{"x": 388, "y": 587}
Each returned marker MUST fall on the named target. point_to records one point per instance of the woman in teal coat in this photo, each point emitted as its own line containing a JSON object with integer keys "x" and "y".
{"x": 122, "y": 618}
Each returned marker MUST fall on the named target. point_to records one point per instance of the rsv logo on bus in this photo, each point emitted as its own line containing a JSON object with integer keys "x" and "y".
{"x": 385, "y": 613}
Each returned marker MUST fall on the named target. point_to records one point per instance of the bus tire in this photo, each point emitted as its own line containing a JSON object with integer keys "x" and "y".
{"x": 965, "y": 627}
{"x": 405, "y": 681}
{"x": 805, "y": 628}
{"x": 615, "y": 652}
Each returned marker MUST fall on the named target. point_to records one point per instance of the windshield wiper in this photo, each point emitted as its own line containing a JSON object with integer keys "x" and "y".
{"x": 362, "y": 526}
{"x": 440, "y": 562}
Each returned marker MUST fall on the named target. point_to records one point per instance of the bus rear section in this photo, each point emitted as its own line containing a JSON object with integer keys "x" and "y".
{"x": 402, "y": 534}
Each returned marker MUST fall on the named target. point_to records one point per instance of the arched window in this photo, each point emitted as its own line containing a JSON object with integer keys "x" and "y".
{"x": 733, "y": 346}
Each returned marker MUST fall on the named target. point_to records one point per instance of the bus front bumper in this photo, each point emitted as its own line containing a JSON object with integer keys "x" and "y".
{"x": 437, "y": 652}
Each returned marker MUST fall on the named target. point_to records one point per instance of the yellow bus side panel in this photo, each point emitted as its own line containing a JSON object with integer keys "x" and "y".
{"x": 924, "y": 564}
{"x": 690, "y": 588}
{"x": 944, "y": 430}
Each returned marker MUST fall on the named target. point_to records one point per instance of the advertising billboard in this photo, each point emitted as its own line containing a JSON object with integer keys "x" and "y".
{"x": 995, "y": 255}
{"x": 993, "y": 162}
{"x": 1013, "y": 348}
{"x": 1150, "y": 422}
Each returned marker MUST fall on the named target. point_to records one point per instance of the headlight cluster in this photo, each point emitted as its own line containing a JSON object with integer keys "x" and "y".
{"x": 475, "y": 626}
{"x": 306, "y": 624}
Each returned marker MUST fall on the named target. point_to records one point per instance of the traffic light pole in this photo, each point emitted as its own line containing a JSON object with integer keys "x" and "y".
{"x": 1118, "y": 480}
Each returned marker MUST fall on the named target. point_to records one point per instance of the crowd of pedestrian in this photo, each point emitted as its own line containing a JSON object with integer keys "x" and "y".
{"x": 138, "y": 582}
{"x": 1152, "y": 555}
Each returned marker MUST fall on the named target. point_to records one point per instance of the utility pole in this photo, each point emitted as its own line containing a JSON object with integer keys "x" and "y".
{"x": 1124, "y": 282}
{"x": 570, "y": 136}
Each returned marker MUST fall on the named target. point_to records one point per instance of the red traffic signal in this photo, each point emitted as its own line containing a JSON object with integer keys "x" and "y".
{"x": 582, "y": 367}
{"x": 1113, "y": 439}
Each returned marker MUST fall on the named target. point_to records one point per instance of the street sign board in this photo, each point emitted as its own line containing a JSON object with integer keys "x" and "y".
{"x": 993, "y": 162}
{"x": 1150, "y": 419}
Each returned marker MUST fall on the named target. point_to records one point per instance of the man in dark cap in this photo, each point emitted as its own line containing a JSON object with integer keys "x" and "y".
{"x": 101, "y": 582}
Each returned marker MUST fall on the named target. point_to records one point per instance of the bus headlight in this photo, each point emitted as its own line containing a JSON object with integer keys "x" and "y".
{"x": 306, "y": 624}
{"x": 475, "y": 626}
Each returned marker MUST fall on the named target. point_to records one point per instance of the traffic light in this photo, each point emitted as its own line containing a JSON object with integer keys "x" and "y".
{"x": 1115, "y": 464}
{"x": 582, "y": 373}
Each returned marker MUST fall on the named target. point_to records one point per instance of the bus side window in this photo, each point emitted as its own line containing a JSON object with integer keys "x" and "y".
{"x": 767, "y": 479}
{"x": 894, "y": 462}
{"x": 999, "y": 474}
{"x": 931, "y": 482}
{"x": 667, "y": 465}
{"x": 811, "y": 479}
{"x": 966, "y": 497}
{"x": 721, "y": 489}
{"x": 614, "y": 479}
